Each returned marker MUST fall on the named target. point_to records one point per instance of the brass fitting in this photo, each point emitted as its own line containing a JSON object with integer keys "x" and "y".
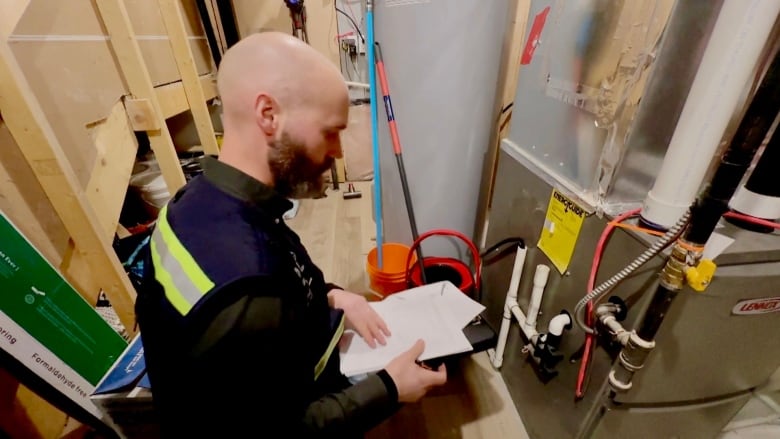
{"x": 673, "y": 273}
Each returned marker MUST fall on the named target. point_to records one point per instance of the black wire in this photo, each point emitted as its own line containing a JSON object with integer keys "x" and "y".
{"x": 357, "y": 28}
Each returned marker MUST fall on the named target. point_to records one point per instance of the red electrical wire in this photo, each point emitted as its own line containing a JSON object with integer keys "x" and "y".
{"x": 594, "y": 268}
{"x": 752, "y": 219}
{"x": 590, "y": 338}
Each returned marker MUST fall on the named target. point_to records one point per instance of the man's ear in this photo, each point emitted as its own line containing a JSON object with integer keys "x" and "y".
{"x": 267, "y": 114}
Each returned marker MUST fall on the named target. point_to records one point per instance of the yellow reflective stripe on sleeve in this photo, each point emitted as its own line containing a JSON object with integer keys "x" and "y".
{"x": 333, "y": 342}
{"x": 175, "y": 269}
{"x": 177, "y": 250}
{"x": 165, "y": 279}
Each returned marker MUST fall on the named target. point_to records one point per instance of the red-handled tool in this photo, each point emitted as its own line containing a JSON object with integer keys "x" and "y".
{"x": 380, "y": 67}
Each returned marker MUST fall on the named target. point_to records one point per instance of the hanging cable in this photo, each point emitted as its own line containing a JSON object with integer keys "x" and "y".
{"x": 590, "y": 339}
{"x": 607, "y": 286}
{"x": 354, "y": 25}
{"x": 752, "y": 219}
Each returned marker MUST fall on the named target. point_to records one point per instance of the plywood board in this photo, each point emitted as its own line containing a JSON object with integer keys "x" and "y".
{"x": 76, "y": 83}
{"x": 173, "y": 100}
{"x": 59, "y": 18}
{"x": 147, "y": 20}
{"x": 158, "y": 56}
{"x": 11, "y": 12}
{"x": 80, "y": 17}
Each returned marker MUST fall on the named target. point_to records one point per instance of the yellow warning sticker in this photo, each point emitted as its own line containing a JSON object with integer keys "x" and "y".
{"x": 561, "y": 229}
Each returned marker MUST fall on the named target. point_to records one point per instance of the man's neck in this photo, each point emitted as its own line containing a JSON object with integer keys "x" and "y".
{"x": 253, "y": 163}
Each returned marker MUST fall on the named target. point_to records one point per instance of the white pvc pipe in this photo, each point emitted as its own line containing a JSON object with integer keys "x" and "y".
{"x": 530, "y": 331}
{"x": 357, "y": 85}
{"x": 558, "y": 324}
{"x": 730, "y": 58}
{"x": 511, "y": 300}
{"x": 540, "y": 281}
{"x": 758, "y": 205}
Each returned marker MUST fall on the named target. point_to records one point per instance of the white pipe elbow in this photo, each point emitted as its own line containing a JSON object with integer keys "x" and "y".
{"x": 559, "y": 323}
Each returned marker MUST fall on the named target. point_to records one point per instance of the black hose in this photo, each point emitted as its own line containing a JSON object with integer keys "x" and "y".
{"x": 734, "y": 162}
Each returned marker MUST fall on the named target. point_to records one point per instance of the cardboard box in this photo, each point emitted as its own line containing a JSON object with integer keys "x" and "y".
{"x": 47, "y": 326}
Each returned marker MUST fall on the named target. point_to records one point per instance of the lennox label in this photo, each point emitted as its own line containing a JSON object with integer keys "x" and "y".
{"x": 757, "y": 306}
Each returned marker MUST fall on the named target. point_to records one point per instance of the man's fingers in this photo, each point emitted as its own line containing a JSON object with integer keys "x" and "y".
{"x": 416, "y": 350}
{"x": 367, "y": 335}
{"x": 383, "y": 326}
{"x": 377, "y": 334}
{"x": 437, "y": 377}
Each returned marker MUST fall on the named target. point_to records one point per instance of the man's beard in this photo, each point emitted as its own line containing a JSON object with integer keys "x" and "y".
{"x": 295, "y": 174}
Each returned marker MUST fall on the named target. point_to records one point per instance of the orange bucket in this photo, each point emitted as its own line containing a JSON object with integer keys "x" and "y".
{"x": 392, "y": 277}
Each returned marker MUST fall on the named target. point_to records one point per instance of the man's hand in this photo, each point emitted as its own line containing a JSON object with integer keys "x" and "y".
{"x": 360, "y": 316}
{"x": 412, "y": 380}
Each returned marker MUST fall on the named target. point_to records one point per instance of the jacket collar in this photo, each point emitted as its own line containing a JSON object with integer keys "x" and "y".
{"x": 244, "y": 187}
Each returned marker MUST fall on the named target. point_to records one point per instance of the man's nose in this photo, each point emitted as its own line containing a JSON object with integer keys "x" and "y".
{"x": 335, "y": 150}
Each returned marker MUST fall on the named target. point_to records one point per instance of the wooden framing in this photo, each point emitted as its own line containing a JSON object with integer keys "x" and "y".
{"x": 174, "y": 22}
{"x": 508, "y": 77}
{"x": 173, "y": 99}
{"x": 24, "y": 117}
{"x": 69, "y": 205}
{"x": 133, "y": 66}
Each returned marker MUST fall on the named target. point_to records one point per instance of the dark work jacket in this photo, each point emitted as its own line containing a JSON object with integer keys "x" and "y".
{"x": 241, "y": 362}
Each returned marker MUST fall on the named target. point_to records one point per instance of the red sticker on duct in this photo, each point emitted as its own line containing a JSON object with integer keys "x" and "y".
{"x": 533, "y": 36}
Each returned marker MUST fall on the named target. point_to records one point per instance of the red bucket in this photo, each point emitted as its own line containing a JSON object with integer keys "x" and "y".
{"x": 439, "y": 269}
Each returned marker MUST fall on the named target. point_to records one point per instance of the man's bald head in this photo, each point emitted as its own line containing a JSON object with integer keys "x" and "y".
{"x": 277, "y": 64}
{"x": 284, "y": 106}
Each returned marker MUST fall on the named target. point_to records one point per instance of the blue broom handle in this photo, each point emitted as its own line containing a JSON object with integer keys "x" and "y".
{"x": 374, "y": 130}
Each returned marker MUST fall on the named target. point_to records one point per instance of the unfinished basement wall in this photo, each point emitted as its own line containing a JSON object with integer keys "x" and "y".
{"x": 63, "y": 49}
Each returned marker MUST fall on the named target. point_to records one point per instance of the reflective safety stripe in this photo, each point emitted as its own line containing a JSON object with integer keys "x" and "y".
{"x": 176, "y": 270}
{"x": 333, "y": 342}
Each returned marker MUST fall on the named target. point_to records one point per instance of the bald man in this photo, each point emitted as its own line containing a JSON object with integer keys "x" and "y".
{"x": 239, "y": 327}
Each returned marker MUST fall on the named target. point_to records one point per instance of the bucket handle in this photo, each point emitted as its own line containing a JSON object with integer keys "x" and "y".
{"x": 446, "y": 232}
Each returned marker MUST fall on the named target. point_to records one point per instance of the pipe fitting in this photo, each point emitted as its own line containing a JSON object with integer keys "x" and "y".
{"x": 540, "y": 281}
{"x": 559, "y": 323}
{"x": 631, "y": 359}
{"x": 673, "y": 273}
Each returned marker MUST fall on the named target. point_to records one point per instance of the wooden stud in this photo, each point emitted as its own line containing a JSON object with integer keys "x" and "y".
{"x": 40, "y": 147}
{"x": 141, "y": 114}
{"x": 133, "y": 67}
{"x": 216, "y": 24}
{"x": 173, "y": 100}
{"x": 116, "y": 149}
{"x": 24, "y": 202}
{"x": 341, "y": 171}
{"x": 508, "y": 77}
{"x": 182, "y": 52}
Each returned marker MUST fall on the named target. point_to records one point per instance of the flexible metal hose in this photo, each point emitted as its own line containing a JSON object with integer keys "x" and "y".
{"x": 607, "y": 286}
